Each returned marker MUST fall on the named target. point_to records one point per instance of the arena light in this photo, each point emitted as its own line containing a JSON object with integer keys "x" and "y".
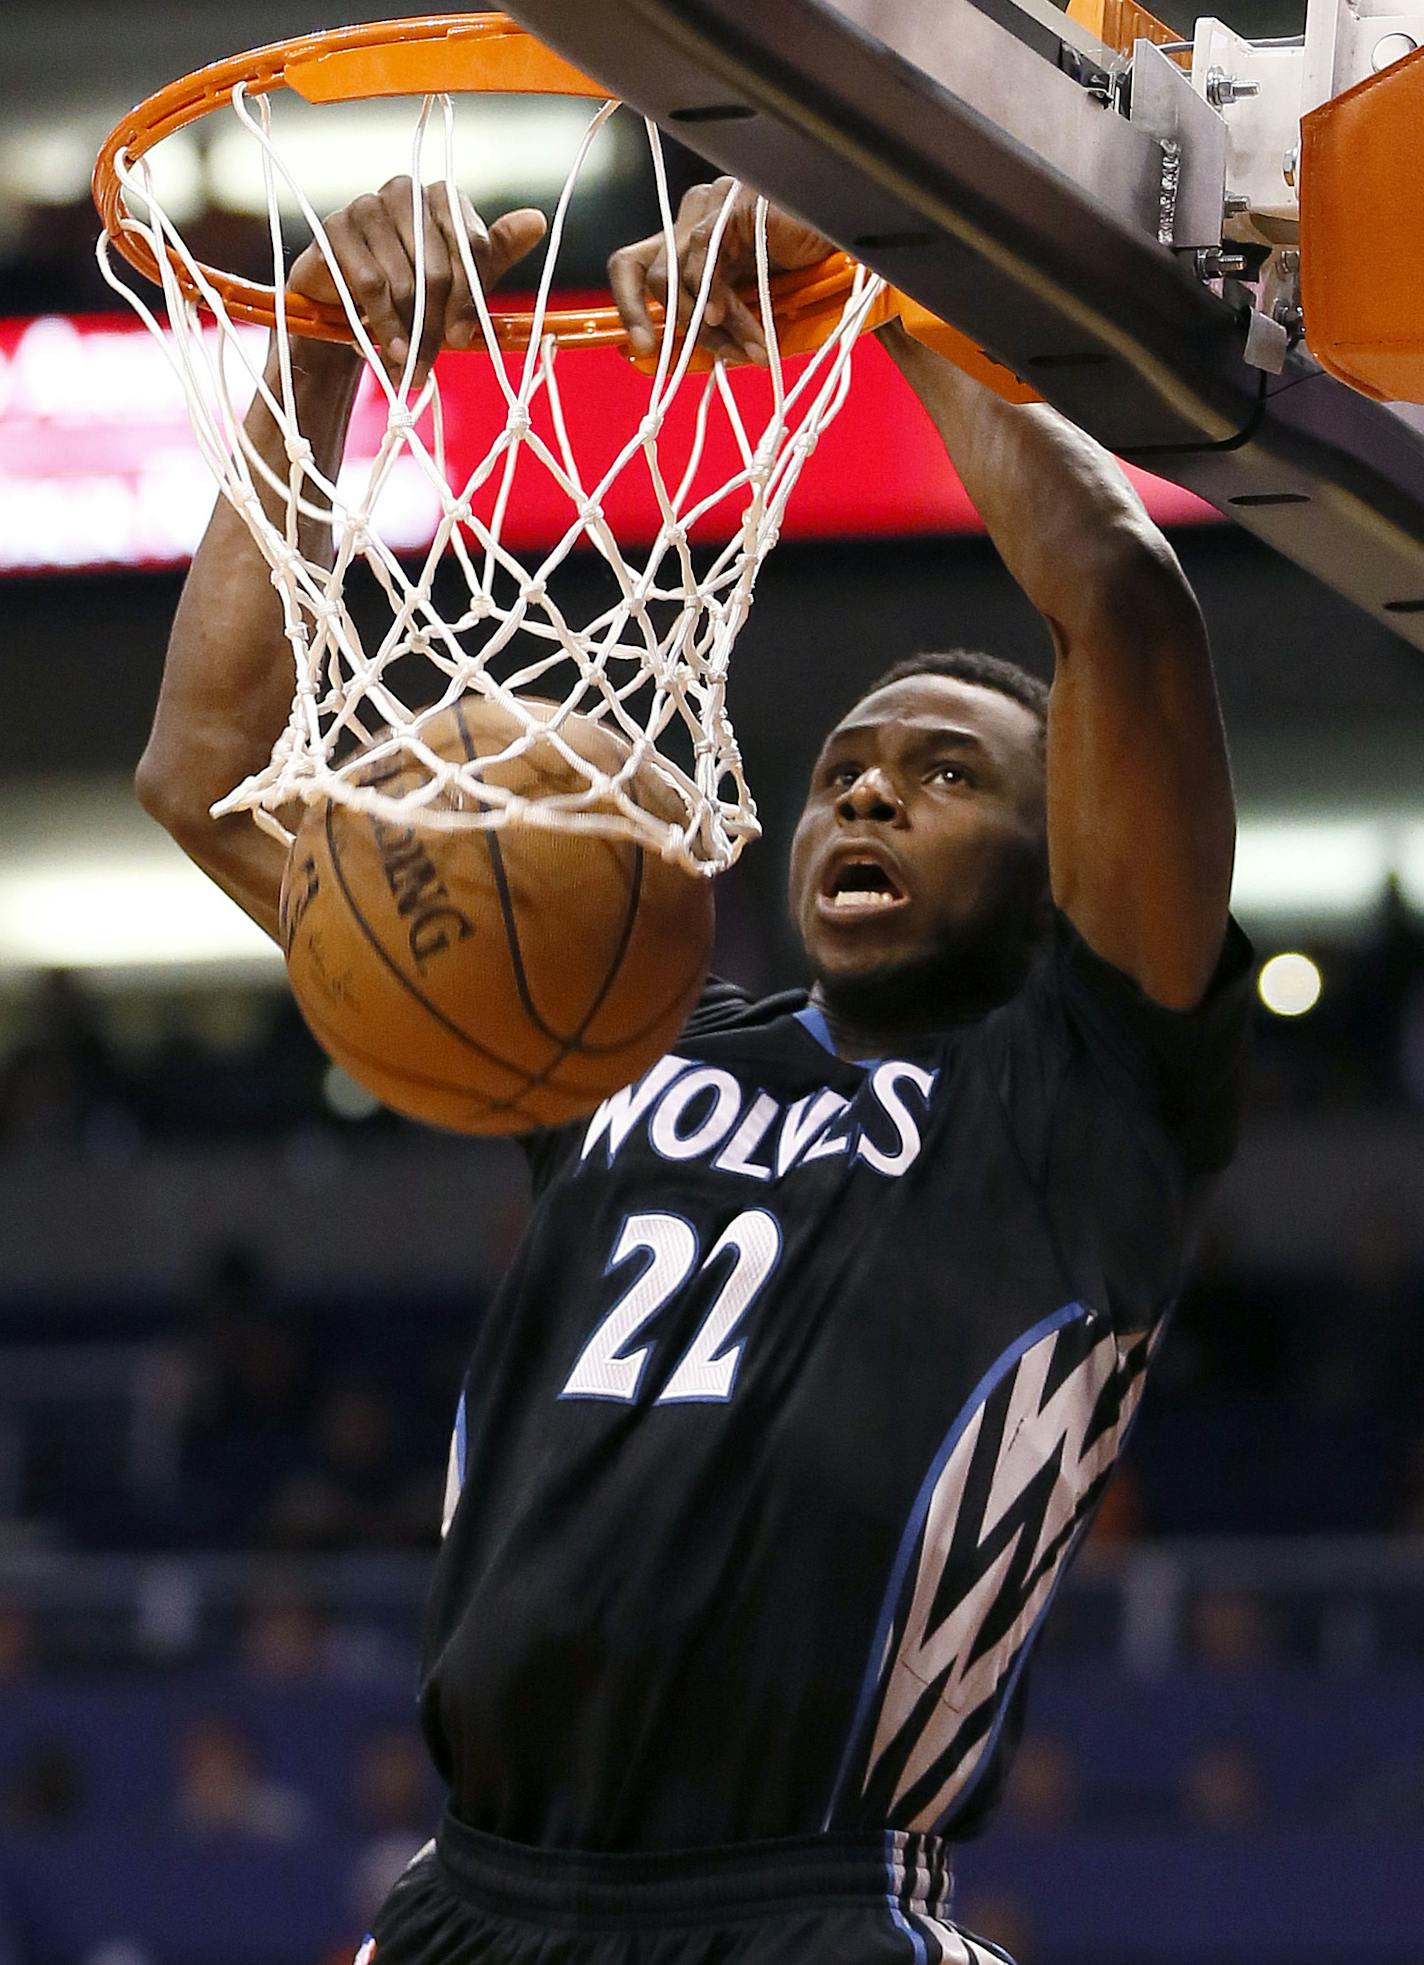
{"x": 51, "y": 162}
{"x": 1289, "y": 984}
{"x": 1328, "y": 869}
{"x": 113, "y": 913}
{"x": 48, "y": 163}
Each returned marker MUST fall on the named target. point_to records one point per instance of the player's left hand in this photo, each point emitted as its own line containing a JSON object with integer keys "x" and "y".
{"x": 730, "y": 328}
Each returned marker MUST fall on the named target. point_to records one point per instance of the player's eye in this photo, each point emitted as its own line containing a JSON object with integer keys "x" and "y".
{"x": 949, "y": 774}
{"x": 842, "y": 776}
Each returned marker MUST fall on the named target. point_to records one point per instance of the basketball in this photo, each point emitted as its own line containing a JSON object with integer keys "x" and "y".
{"x": 491, "y": 981}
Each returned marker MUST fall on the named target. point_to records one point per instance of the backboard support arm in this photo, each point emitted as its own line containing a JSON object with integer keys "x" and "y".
{"x": 971, "y": 168}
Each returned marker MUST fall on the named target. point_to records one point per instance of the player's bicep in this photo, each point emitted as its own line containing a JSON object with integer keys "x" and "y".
{"x": 1141, "y": 820}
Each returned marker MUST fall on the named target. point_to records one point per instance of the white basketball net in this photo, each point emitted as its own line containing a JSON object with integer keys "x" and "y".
{"x": 651, "y": 666}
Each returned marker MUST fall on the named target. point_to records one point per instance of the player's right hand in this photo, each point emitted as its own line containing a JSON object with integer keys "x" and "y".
{"x": 373, "y": 243}
{"x": 730, "y": 327}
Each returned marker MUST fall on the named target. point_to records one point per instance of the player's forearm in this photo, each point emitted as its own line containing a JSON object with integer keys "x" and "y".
{"x": 227, "y": 678}
{"x": 1065, "y": 520}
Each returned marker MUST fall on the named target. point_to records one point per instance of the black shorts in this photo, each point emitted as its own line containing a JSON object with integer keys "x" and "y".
{"x": 470, "y": 1899}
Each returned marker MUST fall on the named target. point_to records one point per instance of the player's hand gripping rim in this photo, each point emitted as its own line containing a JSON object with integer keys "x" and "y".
{"x": 372, "y": 240}
{"x": 732, "y": 328}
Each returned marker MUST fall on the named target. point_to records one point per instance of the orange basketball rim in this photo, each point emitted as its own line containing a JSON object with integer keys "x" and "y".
{"x": 437, "y": 54}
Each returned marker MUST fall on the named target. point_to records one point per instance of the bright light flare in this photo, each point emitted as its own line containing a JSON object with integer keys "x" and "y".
{"x": 1289, "y": 984}
{"x": 119, "y": 911}
{"x": 1324, "y": 868}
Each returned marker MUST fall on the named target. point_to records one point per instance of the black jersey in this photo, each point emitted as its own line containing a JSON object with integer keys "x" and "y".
{"x": 803, "y": 1385}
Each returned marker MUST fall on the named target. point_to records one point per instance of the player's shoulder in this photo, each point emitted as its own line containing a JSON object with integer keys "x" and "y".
{"x": 1067, "y": 974}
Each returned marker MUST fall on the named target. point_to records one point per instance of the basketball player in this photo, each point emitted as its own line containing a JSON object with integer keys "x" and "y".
{"x": 824, "y": 1336}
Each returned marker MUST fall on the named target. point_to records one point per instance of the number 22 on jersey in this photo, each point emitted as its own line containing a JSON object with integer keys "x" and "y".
{"x": 612, "y": 1362}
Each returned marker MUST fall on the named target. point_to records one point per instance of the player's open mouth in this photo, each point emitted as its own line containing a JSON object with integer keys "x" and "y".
{"x": 856, "y": 888}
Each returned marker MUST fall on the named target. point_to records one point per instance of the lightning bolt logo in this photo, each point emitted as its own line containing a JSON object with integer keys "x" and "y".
{"x": 1026, "y": 1464}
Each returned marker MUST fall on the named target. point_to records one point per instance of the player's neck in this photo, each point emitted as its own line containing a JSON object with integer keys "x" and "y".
{"x": 861, "y": 1032}
{"x": 875, "y": 1015}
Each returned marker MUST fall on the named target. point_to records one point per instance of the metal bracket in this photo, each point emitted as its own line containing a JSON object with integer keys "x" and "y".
{"x": 1279, "y": 291}
{"x": 1348, "y": 40}
{"x": 1267, "y": 343}
{"x": 1165, "y": 104}
{"x": 1258, "y": 87}
{"x": 1108, "y": 85}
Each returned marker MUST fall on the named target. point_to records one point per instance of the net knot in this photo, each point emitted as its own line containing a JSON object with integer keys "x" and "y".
{"x": 299, "y": 451}
{"x": 400, "y": 422}
{"x": 517, "y": 422}
{"x": 533, "y": 593}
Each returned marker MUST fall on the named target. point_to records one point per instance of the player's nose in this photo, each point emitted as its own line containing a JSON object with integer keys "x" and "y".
{"x": 872, "y": 796}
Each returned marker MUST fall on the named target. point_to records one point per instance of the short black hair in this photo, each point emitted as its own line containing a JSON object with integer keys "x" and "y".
{"x": 972, "y": 665}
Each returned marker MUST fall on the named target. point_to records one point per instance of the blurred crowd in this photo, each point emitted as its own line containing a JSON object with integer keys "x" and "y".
{"x": 271, "y": 1753}
{"x": 293, "y": 1427}
{"x": 82, "y": 1074}
{"x": 47, "y": 262}
{"x": 210, "y": 1781}
{"x": 281, "y": 1447}
{"x": 1362, "y": 1046}
{"x": 220, "y": 1789}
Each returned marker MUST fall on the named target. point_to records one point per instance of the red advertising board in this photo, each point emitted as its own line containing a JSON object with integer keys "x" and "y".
{"x": 98, "y": 467}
